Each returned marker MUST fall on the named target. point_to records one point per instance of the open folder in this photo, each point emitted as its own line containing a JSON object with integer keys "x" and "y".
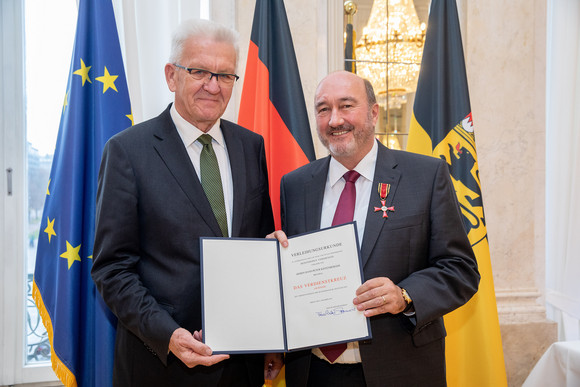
{"x": 258, "y": 296}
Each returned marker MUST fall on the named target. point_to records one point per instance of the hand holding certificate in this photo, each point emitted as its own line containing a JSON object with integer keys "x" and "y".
{"x": 261, "y": 297}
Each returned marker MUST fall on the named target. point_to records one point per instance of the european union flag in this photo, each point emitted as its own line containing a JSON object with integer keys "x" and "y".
{"x": 96, "y": 106}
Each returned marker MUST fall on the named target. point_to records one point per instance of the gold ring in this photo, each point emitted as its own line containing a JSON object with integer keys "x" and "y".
{"x": 384, "y": 301}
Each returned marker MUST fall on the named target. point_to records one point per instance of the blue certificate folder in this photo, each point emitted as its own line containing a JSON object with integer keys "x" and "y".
{"x": 258, "y": 296}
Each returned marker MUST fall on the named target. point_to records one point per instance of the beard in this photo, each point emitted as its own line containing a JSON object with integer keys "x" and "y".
{"x": 348, "y": 147}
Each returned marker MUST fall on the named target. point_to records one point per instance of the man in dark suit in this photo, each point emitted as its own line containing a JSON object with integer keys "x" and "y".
{"x": 417, "y": 260}
{"x": 152, "y": 208}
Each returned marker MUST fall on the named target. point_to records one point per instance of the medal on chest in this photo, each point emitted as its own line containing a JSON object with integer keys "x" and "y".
{"x": 383, "y": 193}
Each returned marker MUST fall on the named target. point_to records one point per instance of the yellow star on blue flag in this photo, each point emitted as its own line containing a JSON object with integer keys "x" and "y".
{"x": 108, "y": 81}
{"x": 49, "y": 230}
{"x": 83, "y": 72}
{"x": 71, "y": 254}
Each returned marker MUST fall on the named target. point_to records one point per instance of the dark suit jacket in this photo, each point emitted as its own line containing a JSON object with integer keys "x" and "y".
{"x": 421, "y": 246}
{"x": 151, "y": 211}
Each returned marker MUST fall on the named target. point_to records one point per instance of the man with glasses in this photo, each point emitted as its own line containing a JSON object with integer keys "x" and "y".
{"x": 163, "y": 184}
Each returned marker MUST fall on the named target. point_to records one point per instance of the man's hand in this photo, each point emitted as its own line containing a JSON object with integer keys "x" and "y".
{"x": 273, "y": 363}
{"x": 191, "y": 351}
{"x": 379, "y": 295}
{"x": 281, "y": 236}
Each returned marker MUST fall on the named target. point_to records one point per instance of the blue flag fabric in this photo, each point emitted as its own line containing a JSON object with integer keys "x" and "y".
{"x": 96, "y": 106}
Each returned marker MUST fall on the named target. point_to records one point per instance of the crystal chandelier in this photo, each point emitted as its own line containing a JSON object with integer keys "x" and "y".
{"x": 389, "y": 51}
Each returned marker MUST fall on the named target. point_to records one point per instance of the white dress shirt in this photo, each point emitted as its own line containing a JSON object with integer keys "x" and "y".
{"x": 189, "y": 135}
{"x": 364, "y": 188}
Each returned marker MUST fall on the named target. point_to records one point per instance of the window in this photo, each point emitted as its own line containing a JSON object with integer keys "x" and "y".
{"x": 49, "y": 36}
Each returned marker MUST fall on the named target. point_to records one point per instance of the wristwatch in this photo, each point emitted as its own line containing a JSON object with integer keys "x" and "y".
{"x": 407, "y": 299}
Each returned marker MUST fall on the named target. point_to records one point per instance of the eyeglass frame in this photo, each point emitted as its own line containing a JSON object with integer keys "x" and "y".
{"x": 211, "y": 74}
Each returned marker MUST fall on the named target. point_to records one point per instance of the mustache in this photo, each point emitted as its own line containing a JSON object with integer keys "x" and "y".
{"x": 341, "y": 128}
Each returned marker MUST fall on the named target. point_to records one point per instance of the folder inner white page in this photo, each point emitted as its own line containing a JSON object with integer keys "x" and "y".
{"x": 321, "y": 273}
{"x": 242, "y": 300}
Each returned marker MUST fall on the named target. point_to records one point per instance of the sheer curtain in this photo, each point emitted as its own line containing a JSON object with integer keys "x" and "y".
{"x": 145, "y": 28}
{"x": 563, "y": 167}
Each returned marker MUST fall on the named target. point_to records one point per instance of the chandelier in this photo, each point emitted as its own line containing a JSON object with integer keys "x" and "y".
{"x": 389, "y": 52}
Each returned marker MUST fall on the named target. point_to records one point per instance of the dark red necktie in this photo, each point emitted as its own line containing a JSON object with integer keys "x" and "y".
{"x": 344, "y": 214}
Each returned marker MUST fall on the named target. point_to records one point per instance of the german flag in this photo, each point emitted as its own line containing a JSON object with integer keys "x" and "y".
{"x": 442, "y": 127}
{"x": 272, "y": 101}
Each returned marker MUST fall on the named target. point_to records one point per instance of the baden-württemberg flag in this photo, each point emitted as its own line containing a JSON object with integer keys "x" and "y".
{"x": 96, "y": 106}
{"x": 272, "y": 101}
{"x": 442, "y": 127}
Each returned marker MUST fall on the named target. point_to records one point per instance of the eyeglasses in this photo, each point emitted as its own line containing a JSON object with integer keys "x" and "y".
{"x": 199, "y": 74}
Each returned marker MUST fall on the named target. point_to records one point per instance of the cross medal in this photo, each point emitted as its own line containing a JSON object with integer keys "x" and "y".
{"x": 383, "y": 192}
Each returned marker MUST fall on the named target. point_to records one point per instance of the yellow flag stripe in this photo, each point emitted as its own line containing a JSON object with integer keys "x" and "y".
{"x": 418, "y": 140}
{"x": 473, "y": 347}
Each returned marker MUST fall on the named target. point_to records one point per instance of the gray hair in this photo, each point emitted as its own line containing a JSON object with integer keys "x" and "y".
{"x": 371, "y": 98}
{"x": 201, "y": 28}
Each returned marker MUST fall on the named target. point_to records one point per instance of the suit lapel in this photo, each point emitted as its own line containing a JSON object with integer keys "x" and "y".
{"x": 314, "y": 195}
{"x": 170, "y": 148}
{"x": 384, "y": 173}
{"x": 238, "y": 166}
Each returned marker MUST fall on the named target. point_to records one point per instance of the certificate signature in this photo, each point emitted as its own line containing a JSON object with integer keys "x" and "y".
{"x": 335, "y": 311}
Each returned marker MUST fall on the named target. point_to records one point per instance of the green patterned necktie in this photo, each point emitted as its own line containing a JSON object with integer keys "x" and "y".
{"x": 211, "y": 182}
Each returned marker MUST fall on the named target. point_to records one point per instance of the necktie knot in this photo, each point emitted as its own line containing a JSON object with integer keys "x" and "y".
{"x": 205, "y": 139}
{"x": 351, "y": 176}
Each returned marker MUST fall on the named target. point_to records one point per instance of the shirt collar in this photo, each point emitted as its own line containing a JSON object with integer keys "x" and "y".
{"x": 189, "y": 133}
{"x": 366, "y": 167}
